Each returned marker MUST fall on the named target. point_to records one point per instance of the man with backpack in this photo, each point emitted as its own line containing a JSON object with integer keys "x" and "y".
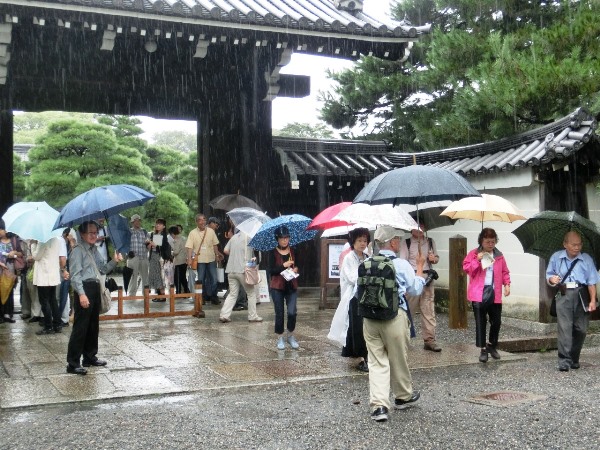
{"x": 382, "y": 284}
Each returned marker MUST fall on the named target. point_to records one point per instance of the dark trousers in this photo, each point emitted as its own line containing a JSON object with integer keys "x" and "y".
{"x": 64, "y": 295}
{"x": 86, "y": 325}
{"x": 572, "y": 324}
{"x": 482, "y": 313}
{"x": 49, "y": 304}
{"x": 289, "y": 299}
{"x": 7, "y": 310}
{"x": 180, "y": 280}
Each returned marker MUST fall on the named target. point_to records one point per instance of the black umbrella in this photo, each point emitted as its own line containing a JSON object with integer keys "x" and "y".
{"x": 227, "y": 202}
{"x": 543, "y": 234}
{"x": 416, "y": 184}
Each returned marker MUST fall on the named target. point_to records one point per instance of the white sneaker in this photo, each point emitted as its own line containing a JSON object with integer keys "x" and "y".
{"x": 280, "y": 343}
{"x": 292, "y": 341}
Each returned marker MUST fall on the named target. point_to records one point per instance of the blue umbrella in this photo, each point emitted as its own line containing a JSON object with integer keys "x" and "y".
{"x": 120, "y": 233}
{"x": 35, "y": 223}
{"x": 264, "y": 240}
{"x": 103, "y": 201}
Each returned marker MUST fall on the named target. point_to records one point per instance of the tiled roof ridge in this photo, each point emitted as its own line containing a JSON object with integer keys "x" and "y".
{"x": 309, "y": 15}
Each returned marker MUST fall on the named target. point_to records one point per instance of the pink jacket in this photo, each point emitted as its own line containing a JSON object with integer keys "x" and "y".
{"x": 477, "y": 275}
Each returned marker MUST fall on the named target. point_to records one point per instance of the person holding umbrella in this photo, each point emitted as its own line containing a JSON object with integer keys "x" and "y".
{"x": 284, "y": 290}
{"x": 575, "y": 275}
{"x": 488, "y": 273}
{"x": 86, "y": 265}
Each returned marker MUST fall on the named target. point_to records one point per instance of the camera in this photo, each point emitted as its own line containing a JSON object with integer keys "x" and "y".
{"x": 431, "y": 275}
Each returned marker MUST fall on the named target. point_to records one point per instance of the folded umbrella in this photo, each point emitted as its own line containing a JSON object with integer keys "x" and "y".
{"x": 120, "y": 232}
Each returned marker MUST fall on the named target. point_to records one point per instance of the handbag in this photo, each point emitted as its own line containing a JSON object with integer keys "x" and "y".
{"x": 7, "y": 282}
{"x": 105, "y": 300}
{"x": 19, "y": 262}
{"x": 251, "y": 275}
{"x": 488, "y": 296}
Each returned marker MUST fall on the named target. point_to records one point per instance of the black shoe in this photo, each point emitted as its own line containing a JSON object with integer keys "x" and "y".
{"x": 44, "y": 331}
{"x": 76, "y": 370}
{"x": 575, "y": 365}
{"x": 25, "y": 316}
{"x": 493, "y": 352}
{"x": 380, "y": 414}
{"x": 159, "y": 300}
{"x": 35, "y": 319}
{"x": 363, "y": 366}
{"x": 483, "y": 357}
{"x": 563, "y": 368}
{"x": 65, "y": 324}
{"x": 9, "y": 320}
{"x": 401, "y": 404}
{"x": 215, "y": 301}
{"x": 96, "y": 363}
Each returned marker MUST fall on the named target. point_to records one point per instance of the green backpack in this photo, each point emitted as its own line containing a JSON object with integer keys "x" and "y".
{"x": 377, "y": 291}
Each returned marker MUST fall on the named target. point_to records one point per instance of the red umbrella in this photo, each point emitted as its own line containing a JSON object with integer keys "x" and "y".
{"x": 324, "y": 219}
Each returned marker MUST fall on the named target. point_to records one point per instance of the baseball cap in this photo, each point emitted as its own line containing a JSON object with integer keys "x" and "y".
{"x": 385, "y": 234}
{"x": 135, "y": 217}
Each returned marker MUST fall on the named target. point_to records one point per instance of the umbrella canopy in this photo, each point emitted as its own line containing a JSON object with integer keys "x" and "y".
{"x": 35, "y": 223}
{"x": 251, "y": 226}
{"x": 15, "y": 210}
{"x": 228, "y": 202}
{"x": 325, "y": 219}
{"x": 484, "y": 208}
{"x": 103, "y": 201}
{"x": 120, "y": 233}
{"x": 344, "y": 230}
{"x": 264, "y": 239}
{"x": 415, "y": 184}
{"x": 429, "y": 213}
{"x": 238, "y": 215}
{"x": 543, "y": 234}
{"x": 387, "y": 214}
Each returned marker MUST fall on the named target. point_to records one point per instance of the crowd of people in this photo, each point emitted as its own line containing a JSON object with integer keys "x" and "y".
{"x": 382, "y": 345}
{"x": 66, "y": 274}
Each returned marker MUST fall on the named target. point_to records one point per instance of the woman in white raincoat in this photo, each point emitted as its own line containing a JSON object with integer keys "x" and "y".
{"x": 346, "y": 326}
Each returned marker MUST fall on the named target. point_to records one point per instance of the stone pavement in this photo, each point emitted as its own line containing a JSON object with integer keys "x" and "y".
{"x": 175, "y": 355}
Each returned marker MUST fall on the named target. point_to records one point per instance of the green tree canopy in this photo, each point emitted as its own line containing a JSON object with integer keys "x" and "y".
{"x": 178, "y": 140}
{"x": 163, "y": 161}
{"x": 28, "y": 127}
{"x": 489, "y": 69}
{"x": 18, "y": 177}
{"x": 168, "y": 206}
{"x": 305, "y": 130}
{"x": 76, "y": 156}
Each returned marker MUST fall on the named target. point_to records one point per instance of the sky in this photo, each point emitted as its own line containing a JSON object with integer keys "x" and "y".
{"x": 286, "y": 110}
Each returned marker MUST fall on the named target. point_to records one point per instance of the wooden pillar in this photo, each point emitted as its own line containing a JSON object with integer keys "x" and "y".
{"x": 203, "y": 144}
{"x": 6, "y": 160}
{"x": 457, "y": 314}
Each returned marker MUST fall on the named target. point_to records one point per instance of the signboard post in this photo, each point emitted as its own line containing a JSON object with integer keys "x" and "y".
{"x": 330, "y": 271}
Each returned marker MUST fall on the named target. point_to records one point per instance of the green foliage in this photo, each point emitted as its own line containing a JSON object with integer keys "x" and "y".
{"x": 178, "y": 140}
{"x": 126, "y": 129}
{"x": 163, "y": 161}
{"x": 489, "y": 69}
{"x": 76, "y": 156}
{"x": 18, "y": 177}
{"x": 29, "y": 127}
{"x": 168, "y": 206}
{"x": 305, "y": 130}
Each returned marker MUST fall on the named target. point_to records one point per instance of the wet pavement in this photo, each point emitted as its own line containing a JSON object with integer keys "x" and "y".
{"x": 179, "y": 355}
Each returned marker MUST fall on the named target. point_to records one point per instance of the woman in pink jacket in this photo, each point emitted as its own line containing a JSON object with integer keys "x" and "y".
{"x": 488, "y": 273}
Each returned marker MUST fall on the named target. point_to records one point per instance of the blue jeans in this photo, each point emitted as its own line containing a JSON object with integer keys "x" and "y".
{"x": 209, "y": 288}
{"x": 279, "y": 297}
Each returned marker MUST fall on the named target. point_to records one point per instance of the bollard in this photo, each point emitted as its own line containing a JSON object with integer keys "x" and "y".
{"x": 457, "y": 307}
{"x": 198, "y": 300}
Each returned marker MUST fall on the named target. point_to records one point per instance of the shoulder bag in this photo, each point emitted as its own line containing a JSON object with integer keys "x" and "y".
{"x": 194, "y": 264}
{"x": 559, "y": 293}
{"x": 251, "y": 275}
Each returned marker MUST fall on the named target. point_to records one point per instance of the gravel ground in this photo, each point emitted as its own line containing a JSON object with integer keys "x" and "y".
{"x": 334, "y": 414}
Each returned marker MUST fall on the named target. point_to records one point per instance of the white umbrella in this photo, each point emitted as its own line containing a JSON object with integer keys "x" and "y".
{"x": 374, "y": 215}
{"x": 484, "y": 208}
{"x": 251, "y": 226}
{"x": 344, "y": 230}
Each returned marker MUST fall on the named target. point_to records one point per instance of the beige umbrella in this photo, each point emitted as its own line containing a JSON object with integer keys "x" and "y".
{"x": 484, "y": 208}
